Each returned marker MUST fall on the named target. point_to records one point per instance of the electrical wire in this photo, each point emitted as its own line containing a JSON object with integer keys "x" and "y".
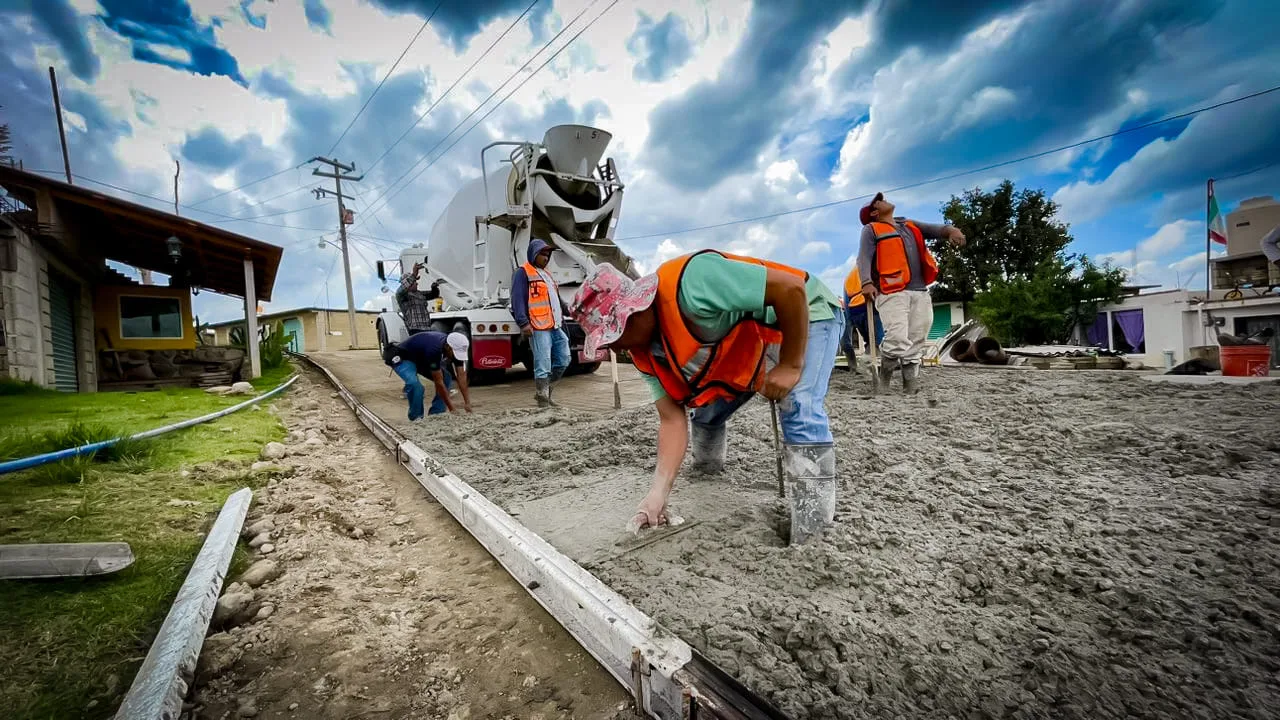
{"x": 450, "y": 88}
{"x": 952, "y": 176}
{"x": 248, "y": 184}
{"x": 386, "y": 199}
{"x": 394, "y": 65}
{"x": 1260, "y": 168}
{"x": 208, "y": 212}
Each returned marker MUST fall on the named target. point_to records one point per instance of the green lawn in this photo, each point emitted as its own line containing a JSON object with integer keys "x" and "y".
{"x": 61, "y": 641}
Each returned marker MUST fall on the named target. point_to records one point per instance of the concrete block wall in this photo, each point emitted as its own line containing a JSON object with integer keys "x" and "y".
{"x": 22, "y": 307}
{"x": 28, "y": 323}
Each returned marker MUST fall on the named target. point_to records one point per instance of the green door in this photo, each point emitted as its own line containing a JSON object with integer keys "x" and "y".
{"x": 293, "y": 331}
{"x": 63, "y": 318}
{"x": 941, "y": 322}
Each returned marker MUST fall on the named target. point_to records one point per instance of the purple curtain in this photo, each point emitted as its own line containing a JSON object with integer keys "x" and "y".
{"x": 1130, "y": 322}
{"x": 1097, "y": 332}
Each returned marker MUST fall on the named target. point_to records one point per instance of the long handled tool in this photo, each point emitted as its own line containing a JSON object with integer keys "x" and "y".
{"x": 617, "y": 393}
{"x": 777, "y": 448}
{"x": 871, "y": 347}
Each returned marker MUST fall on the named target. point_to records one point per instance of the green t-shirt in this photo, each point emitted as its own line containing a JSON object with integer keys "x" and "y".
{"x": 716, "y": 293}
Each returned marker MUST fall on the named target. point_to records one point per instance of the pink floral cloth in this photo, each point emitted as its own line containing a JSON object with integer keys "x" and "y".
{"x": 605, "y": 301}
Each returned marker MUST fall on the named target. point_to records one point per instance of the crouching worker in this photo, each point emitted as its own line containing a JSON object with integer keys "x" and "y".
{"x": 438, "y": 355}
{"x": 709, "y": 330}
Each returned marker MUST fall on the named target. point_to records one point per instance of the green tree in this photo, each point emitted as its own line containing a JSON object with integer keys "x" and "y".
{"x": 6, "y": 142}
{"x": 1010, "y": 233}
{"x": 1047, "y": 305}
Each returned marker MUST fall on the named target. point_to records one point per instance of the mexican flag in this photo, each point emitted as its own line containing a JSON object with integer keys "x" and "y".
{"x": 1217, "y": 223}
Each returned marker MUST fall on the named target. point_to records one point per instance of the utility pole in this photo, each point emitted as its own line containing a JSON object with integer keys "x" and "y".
{"x": 62, "y": 133}
{"x": 343, "y": 221}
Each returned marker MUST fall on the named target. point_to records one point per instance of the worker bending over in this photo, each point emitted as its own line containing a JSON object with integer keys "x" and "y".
{"x": 537, "y": 308}
{"x": 855, "y": 318}
{"x": 437, "y": 355}
{"x": 896, "y": 270}
{"x": 709, "y": 330}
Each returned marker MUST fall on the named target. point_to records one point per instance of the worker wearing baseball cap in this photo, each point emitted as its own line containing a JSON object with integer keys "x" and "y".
{"x": 709, "y": 330}
{"x": 896, "y": 270}
{"x": 439, "y": 355}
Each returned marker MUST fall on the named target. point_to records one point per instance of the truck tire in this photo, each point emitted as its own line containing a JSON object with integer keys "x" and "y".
{"x": 382, "y": 337}
{"x": 586, "y": 368}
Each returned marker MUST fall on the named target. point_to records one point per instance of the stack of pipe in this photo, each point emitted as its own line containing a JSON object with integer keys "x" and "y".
{"x": 985, "y": 350}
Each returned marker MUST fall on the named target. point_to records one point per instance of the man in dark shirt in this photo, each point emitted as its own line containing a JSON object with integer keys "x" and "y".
{"x": 438, "y": 355}
{"x": 415, "y": 304}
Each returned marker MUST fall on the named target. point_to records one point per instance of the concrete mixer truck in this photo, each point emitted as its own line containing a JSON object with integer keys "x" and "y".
{"x": 557, "y": 191}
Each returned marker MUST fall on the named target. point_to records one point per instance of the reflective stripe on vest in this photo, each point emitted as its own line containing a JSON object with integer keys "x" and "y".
{"x": 542, "y": 316}
{"x": 696, "y": 373}
{"x": 891, "y": 269}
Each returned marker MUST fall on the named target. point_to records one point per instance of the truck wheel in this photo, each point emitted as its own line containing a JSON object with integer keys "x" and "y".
{"x": 586, "y": 368}
{"x": 382, "y": 338}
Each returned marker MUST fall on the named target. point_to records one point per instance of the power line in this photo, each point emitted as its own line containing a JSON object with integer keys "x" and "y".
{"x": 387, "y": 199}
{"x": 975, "y": 171}
{"x": 248, "y": 184}
{"x": 1260, "y": 168}
{"x": 208, "y": 212}
{"x": 395, "y": 65}
{"x": 450, "y": 88}
{"x": 267, "y": 215}
{"x": 325, "y": 288}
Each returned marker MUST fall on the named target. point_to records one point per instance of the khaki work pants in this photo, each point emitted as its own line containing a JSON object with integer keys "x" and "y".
{"x": 907, "y": 316}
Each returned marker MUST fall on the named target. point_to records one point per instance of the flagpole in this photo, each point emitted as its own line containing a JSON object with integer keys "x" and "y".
{"x": 1208, "y": 206}
{"x": 1208, "y": 282}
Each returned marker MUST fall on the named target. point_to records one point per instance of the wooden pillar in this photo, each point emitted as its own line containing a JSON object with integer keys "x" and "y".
{"x": 251, "y": 320}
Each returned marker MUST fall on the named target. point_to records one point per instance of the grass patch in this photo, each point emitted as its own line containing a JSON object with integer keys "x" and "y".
{"x": 61, "y": 641}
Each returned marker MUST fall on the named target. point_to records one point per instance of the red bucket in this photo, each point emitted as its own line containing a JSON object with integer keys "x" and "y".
{"x": 1245, "y": 360}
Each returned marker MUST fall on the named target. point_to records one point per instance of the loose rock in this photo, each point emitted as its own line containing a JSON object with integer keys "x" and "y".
{"x": 261, "y": 572}
{"x": 274, "y": 451}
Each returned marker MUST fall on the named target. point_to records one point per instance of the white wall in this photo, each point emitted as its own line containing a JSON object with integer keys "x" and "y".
{"x": 1163, "y": 324}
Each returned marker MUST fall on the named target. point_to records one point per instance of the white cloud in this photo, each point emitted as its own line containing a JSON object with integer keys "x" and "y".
{"x": 814, "y": 248}
{"x": 985, "y": 105}
{"x": 1169, "y": 238}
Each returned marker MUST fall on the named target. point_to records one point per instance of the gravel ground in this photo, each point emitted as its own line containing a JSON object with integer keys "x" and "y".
{"x": 1009, "y": 543}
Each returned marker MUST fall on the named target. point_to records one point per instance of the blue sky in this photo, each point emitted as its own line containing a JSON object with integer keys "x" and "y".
{"x": 719, "y": 110}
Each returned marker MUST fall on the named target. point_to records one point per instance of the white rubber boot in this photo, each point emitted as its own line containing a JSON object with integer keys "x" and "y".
{"x": 810, "y": 472}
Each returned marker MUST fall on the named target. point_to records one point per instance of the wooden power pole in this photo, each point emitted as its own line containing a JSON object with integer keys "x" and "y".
{"x": 344, "y": 219}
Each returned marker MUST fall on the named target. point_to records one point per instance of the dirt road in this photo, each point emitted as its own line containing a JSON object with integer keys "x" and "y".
{"x": 1027, "y": 544}
{"x": 373, "y": 602}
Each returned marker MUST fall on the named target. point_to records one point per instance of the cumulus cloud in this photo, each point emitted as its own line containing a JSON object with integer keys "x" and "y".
{"x": 662, "y": 47}
{"x": 815, "y": 248}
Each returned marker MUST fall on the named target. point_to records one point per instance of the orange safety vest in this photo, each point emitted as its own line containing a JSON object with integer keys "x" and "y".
{"x": 853, "y": 288}
{"x": 542, "y": 316}
{"x": 890, "y": 268}
{"x": 696, "y": 373}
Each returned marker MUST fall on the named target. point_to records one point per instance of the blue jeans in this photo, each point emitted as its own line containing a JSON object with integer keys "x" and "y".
{"x": 856, "y": 325}
{"x": 550, "y": 353}
{"x": 415, "y": 393}
{"x": 801, "y": 414}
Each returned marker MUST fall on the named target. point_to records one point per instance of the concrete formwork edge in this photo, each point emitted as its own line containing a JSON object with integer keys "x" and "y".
{"x": 666, "y": 678}
{"x": 162, "y": 682}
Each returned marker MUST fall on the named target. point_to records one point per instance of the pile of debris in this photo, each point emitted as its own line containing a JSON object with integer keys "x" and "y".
{"x": 970, "y": 344}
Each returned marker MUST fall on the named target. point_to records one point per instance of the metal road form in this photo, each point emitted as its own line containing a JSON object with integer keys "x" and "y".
{"x": 665, "y": 676}
{"x": 162, "y": 681}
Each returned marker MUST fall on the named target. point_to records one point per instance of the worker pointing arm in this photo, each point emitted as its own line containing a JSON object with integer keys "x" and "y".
{"x": 896, "y": 270}
{"x": 700, "y": 329}
{"x": 415, "y": 304}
